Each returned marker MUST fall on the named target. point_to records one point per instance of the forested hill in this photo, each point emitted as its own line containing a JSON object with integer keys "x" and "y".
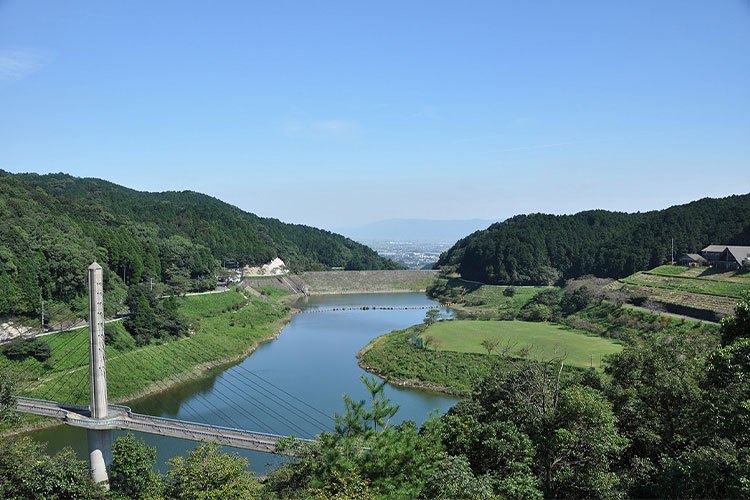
{"x": 541, "y": 248}
{"x": 54, "y": 226}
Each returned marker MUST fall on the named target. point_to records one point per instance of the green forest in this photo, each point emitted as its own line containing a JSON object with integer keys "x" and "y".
{"x": 543, "y": 249}
{"x": 55, "y": 225}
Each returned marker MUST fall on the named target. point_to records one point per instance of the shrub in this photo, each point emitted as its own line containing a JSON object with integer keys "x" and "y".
{"x": 537, "y": 312}
{"x": 21, "y": 349}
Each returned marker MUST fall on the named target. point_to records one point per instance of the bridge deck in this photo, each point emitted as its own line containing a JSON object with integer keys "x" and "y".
{"x": 121, "y": 417}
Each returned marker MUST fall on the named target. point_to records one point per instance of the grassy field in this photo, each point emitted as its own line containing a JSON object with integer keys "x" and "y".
{"x": 627, "y": 324}
{"x": 220, "y": 335}
{"x": 668, "y": 270}
{"x": 272, "y": 293}
{"x": 543, "y": 340}
{"x": 196, "y": 306}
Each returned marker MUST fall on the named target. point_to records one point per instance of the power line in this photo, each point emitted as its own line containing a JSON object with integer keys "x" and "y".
{"x": 60, "y": 348}
{"x": 184, "y": 405}
{"x": 255, "y": 386}
{"x": 165, "y": 391}
{"x": 290, "y": 395}
{"x": 219, "y": 394}
{"x": 218, "y": 391}
{"x": 269, "y": 411}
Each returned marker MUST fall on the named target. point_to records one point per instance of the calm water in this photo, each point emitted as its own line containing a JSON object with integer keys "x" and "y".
{"x": 313, "y": 360}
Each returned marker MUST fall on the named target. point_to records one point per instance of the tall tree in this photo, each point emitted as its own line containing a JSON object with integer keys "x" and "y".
{"x": 208, "y": 474}
{"x": 132, "y": 471}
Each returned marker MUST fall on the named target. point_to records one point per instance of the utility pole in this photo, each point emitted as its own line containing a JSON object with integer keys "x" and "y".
{"x": 672, "y": 262}
{"x": 151, "y": 281}
{"x": 42, "y": 314}
{"x": 100, "y": 441}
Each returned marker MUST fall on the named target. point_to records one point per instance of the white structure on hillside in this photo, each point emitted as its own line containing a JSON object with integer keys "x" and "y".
{"x": 274, "y": 268}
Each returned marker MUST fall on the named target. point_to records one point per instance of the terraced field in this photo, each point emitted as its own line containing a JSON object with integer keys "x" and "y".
{"x": 704, "y": 273}
{"x": 692, "y": 287}
{"x": 722, "y": 305}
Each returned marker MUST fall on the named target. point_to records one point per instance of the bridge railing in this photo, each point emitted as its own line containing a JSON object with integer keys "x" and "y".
{"x": 149, "y": 427}
{"x": 157, "y": 425}
{"x": 233, "y": 430}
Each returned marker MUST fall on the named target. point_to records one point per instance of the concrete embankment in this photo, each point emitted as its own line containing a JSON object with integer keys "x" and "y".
{"x": 341, "y": 282}
{"x": 346, "y": 282}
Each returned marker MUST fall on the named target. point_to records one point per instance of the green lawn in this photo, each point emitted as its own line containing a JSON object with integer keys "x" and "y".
{"x": 544, "y": 340}
{"x": 393, "y": 356}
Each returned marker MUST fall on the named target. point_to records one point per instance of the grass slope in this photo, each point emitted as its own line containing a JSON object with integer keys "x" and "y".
{"x": 220, "y": 336}
{"x": 543, "y": 340}
{"x": 492, "y": 299}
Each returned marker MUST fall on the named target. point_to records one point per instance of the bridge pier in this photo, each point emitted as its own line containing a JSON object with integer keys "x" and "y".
{"x": 100, "y": 455}
{"x": 100, "y": 441}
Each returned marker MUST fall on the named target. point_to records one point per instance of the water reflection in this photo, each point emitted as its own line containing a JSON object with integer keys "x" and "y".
{"x": 313, "y": 360}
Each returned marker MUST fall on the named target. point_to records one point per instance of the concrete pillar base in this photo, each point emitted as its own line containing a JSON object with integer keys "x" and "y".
{"x": 100, "y": 455}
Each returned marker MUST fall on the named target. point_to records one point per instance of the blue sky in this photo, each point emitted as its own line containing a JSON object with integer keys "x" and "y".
{"x": 334, "y": 113}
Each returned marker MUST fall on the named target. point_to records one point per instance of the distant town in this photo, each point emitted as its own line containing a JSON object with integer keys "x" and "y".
{"x": 411, "y": 254}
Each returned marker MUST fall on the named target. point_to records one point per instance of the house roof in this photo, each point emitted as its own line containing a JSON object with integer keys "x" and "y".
{"x": 694, "y": 257}
{"x": 736, "y": 253}
{"x": 714, "y": 248}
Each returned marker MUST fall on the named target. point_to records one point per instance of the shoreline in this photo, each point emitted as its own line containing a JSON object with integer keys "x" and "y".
{"x": 198, "y": 371}
{"x": 414, "y": 384}
{"x": 408, "y": 383}
{"x": 160, "y": 386}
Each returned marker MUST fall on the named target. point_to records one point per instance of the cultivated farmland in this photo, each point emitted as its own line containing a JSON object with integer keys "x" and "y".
{"x": 696, "y": 288}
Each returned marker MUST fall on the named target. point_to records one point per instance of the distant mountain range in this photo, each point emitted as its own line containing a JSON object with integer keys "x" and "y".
{"x": 415, "y": 230}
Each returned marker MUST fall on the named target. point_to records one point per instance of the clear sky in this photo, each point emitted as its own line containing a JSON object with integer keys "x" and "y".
{"x": 334, "y": 113}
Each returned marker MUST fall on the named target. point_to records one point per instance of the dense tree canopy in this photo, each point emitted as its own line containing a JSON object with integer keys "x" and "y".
{"x": 55, "y": 225}
{"x": 542, "y": 249}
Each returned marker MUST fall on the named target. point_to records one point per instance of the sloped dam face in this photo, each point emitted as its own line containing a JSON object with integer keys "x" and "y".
{"x": 313, "y": 361}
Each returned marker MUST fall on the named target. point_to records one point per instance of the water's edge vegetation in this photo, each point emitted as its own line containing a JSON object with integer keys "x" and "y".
{"x": 225, "y": 328}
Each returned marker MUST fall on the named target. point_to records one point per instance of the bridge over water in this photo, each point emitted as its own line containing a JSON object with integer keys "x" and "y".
{"x": 123, "y": 418}
{"x": 100, "y": 418}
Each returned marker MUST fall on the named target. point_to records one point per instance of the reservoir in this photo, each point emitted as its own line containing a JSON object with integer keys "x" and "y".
{"x": 291, "y": 385}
